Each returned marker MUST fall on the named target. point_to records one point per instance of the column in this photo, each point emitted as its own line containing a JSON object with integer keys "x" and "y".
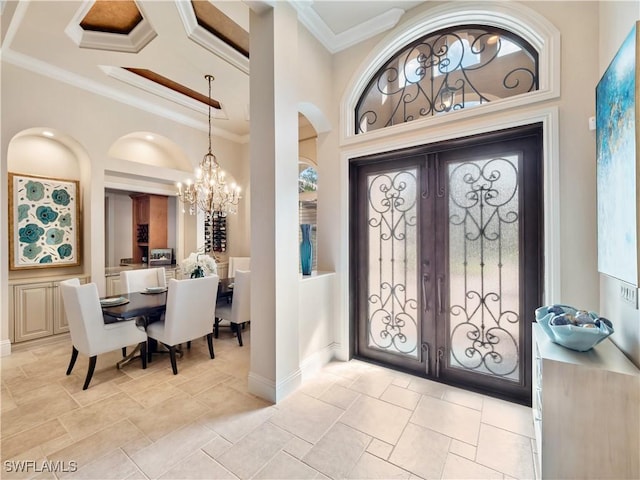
{"x": 274, "y": 371}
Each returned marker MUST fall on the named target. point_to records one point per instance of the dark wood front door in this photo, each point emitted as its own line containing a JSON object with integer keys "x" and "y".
{"x": 446, "y": 255}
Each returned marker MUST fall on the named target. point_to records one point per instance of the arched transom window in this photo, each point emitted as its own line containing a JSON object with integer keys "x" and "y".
{"x": 451, "y": 69}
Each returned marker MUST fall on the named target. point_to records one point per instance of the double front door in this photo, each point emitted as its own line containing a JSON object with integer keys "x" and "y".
{"x": 447, "y": 259}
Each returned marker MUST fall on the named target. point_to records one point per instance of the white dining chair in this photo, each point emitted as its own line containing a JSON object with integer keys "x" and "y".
{"x": 190, "y": 314}
{"x": 238, "y": 263}
{"x": 89, "y": 334}
{"x": 141, "y": 279}
{"x": 239, "y": 311}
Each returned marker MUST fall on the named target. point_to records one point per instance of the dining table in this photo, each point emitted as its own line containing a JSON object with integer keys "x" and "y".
{"x": 148, "y": 305}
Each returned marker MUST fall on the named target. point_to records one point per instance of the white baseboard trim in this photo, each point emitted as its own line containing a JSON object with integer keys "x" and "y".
{"x": 267, "y": 388}
{"x": 5, "y": 348}
{"x": 314, "y": 362}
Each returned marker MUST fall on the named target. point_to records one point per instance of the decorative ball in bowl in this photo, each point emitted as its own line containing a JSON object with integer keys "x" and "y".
{"x": 573, "y": 328}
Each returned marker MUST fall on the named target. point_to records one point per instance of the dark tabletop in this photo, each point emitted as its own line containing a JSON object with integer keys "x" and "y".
{"x": 152, "y": 304}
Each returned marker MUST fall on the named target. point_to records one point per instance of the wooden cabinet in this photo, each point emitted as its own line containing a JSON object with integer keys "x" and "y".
{"x": 586, "y": 411}
{"x": 113, "y": 285}
{"x": 149, "y": 224}
{"x": 37, "y": 310}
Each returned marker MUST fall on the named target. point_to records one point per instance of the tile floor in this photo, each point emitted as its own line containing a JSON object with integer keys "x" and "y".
{"x": 351, "y": 420}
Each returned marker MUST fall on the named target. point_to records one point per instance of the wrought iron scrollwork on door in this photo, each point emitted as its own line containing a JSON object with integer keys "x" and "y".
{"x": 484, "y": 243}
{"x": 392, "y": 299}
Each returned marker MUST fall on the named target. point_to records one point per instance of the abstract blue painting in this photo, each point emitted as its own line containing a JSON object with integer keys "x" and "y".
{"x": 44, "y": 218}
{"x": 616, "y": 165}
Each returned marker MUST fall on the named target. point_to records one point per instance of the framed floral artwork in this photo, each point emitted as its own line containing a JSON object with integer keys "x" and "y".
{"x": 44, "y": 216}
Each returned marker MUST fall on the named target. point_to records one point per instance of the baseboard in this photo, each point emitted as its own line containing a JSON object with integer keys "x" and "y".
{"x": 5, "y": 348}
{"x": 267, "y": 388}
{"x": 314, "y": 362}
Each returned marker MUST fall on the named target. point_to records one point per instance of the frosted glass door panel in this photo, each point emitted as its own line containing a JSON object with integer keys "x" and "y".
{"x": 393, "y": 316}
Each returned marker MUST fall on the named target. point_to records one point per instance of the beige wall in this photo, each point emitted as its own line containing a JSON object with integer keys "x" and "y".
{"x": 616, "y": 21}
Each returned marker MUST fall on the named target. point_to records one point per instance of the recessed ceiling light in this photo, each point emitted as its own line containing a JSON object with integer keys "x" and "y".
{"x": 47, "y": 133}
{"x": 149, "y": 137}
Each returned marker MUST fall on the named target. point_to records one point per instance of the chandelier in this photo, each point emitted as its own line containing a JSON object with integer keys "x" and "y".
{"x": 209, "y": 192}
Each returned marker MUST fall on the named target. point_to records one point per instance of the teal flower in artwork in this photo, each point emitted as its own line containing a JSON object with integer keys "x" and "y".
{"x": 61, "y": 197}
{"x": 65, "y": 220}
{"x": 46, "y": 214}
{"x": 46, "y": 259}
{"x": 54, "y": 236}
{"x": 35, "y": 190}
{"x": 23, "y": 212}
{"x": 31, "y": 251}
{"x": 30, "y": 233}
{"x": 64, "y": 250}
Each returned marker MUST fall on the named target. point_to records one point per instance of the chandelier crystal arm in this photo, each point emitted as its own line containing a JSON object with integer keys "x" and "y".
{"x": 209, "y": 192}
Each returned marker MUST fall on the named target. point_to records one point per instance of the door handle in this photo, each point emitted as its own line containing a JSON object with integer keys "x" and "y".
{"x": 439, "y": 293}
{"x": 425, "y": 348}
{"x": 425, "y": 296}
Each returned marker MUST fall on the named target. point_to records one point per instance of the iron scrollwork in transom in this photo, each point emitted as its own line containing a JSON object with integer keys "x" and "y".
{"x": 448, "y": 70}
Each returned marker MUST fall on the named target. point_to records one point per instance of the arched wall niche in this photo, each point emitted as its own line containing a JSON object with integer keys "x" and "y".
{"x": 150, "y": 149}
{"x": 516, "y": 18}
{"x": 50, "y": 153}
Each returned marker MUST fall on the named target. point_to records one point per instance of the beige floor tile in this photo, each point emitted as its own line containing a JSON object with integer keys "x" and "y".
{"x": 372, "y": 383}
{"x": 337, "y": 452}
{"x": 432, "y": 446}
{"x": 30, "y": 414}
{"x": 249, "y": 455}
{"x": 380, "y": 449}
{"x": 198, "y": 466}
{"x": 339, "y": 396}
{"x": 33, "y": 437}
{"x": 284, "y": 466}
{"x": 401, "y": 396}
{"x": 234, "y": 427}
{"x": 205, "y": 380}
{"x": 136, "y": 444}
{"x": 156, "y": 394}
{"x": 427, "y": 387}
{"x": 99, "y": 415}
{"x": 217, "y": 447}
{"x": 18, "y": 359}
{"x": 318, "y": 384}
{"x": 372, "y": 467}
{"x": 94, "y": 446}
{"x": 164, "y": 454}
{"x": 508, "y": 416}
{"x": 447, "y": 418}
{"x": 43, "y": 393}
{"x": 114, "y": 465}
{"x": 458, "y": 468}
{"x": 505, "y": 451}
{"x": 26, "y": 465}
{"x": 377, "y": 418}
{"x": 297, "y": 447}
{"x": 463, "y": 449}
{"x": 305, "y": 416}
{"x": 165, "y": 417}
{"x": 96, "y": 393}
{"x": 139, "y": 384}
{"x": 462, "y": 397}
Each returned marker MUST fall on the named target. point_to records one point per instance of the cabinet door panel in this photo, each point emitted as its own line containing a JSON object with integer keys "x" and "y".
{"x": 33, "y": 311}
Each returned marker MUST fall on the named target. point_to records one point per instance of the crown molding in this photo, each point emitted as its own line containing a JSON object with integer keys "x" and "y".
{"x": 210, "y": 42}
{"x": 337, "y": 42}
{"x": 149, "y": 86}
{"x": 135, "y": 41}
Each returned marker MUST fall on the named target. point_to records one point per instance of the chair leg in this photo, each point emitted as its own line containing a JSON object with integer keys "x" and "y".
{"x": 239, "y": 331}
{"x": 210, "y": 343}
{"x": 189, "y": 345}
{"x": 172, "y": 354}
{"x": 143, "y": 354}
{"x": 216, "y": 327}
{"x": 72, "y": 362}
{"x": 124, "y": 352}
{"x": 92, "y": 367}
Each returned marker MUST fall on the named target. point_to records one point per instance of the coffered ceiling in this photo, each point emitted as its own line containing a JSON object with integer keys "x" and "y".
{"x": 155, "y": 54}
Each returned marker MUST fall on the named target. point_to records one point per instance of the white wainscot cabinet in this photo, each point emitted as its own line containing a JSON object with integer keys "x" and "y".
{"x": 37, "y": 309}
{"x": 586, "y": 411}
